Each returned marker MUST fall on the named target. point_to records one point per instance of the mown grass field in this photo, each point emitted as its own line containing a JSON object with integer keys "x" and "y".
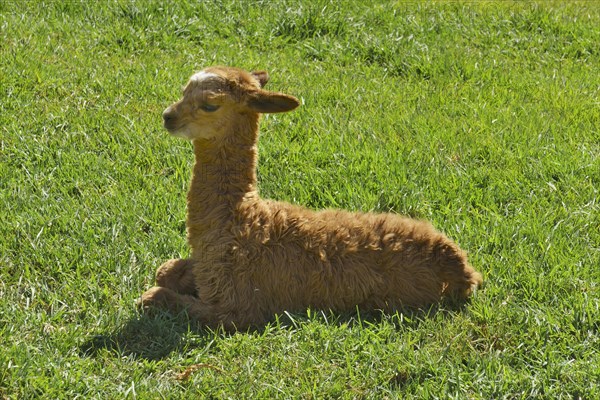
{"x": 483, "y": 117}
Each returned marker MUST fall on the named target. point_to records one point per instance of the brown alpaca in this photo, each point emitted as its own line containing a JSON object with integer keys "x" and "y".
{"x": 254, "y": 258}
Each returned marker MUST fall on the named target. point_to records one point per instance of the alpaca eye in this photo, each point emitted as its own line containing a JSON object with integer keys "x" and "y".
{"x": 209, "y": 107}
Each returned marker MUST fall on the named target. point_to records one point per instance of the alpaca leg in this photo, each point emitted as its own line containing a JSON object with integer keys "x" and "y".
{"x": 175, "y": 290}
{"x": 177, "y": 275}
{"x": 166, "y": 299}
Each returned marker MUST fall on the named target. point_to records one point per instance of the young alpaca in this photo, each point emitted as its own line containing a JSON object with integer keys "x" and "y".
{"x": 253, "y": 258}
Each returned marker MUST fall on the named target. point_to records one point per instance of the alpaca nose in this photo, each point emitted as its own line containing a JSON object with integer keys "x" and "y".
{"x": 169, "y": 117}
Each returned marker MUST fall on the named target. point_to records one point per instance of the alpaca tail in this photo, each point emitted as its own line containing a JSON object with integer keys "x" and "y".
{"x": 462, "y": 283}
{"x": 459, "y": 277}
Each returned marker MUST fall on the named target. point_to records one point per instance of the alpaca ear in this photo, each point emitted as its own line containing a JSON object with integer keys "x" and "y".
{"x": 270, "y": 102}
{"x": 262, "y": 76}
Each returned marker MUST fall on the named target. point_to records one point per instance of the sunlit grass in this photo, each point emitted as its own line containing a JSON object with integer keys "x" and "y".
{"x": 482, "y": 117}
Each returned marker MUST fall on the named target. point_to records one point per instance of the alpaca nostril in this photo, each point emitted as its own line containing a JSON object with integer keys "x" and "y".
{"x": 168, "y": 117}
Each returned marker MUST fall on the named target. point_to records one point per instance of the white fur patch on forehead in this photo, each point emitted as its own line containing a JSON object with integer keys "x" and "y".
{"x": 203, "y": 76}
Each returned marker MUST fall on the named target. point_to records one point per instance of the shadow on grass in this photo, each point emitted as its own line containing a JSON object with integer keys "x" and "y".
{"x": 148, "y": 336}
{"x": 156, "y": 335}
{"x": 401, "y": 319}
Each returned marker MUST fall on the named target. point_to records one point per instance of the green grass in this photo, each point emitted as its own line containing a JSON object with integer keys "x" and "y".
{"x": 483, "y": 117}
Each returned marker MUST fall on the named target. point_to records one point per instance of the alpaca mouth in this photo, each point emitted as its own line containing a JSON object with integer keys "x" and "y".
{"x": 171, "y": 128}
{"x": 180, "y": 131}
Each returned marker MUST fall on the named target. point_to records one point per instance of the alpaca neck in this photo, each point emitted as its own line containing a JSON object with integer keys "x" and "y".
{"x": 224, "y": 176}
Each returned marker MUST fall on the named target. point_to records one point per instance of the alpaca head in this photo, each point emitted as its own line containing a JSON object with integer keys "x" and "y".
{"x": 217, "y": 98}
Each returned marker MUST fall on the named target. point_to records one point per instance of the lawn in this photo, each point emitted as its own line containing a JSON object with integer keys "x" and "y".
{"x": 482, "y": 117}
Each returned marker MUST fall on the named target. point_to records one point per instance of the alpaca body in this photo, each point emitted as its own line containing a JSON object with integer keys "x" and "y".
{"x": 254, "y": 258}
{"x": 282, "y": 258}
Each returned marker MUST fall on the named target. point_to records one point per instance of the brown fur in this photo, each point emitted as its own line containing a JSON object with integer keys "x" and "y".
{"x": 253, "y": 258}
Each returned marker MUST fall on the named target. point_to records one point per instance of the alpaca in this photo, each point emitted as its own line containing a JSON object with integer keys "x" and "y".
{"x": 252, "y": 258}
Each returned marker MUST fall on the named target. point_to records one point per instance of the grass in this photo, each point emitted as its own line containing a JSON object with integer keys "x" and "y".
{"x": 482, "y": 117}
